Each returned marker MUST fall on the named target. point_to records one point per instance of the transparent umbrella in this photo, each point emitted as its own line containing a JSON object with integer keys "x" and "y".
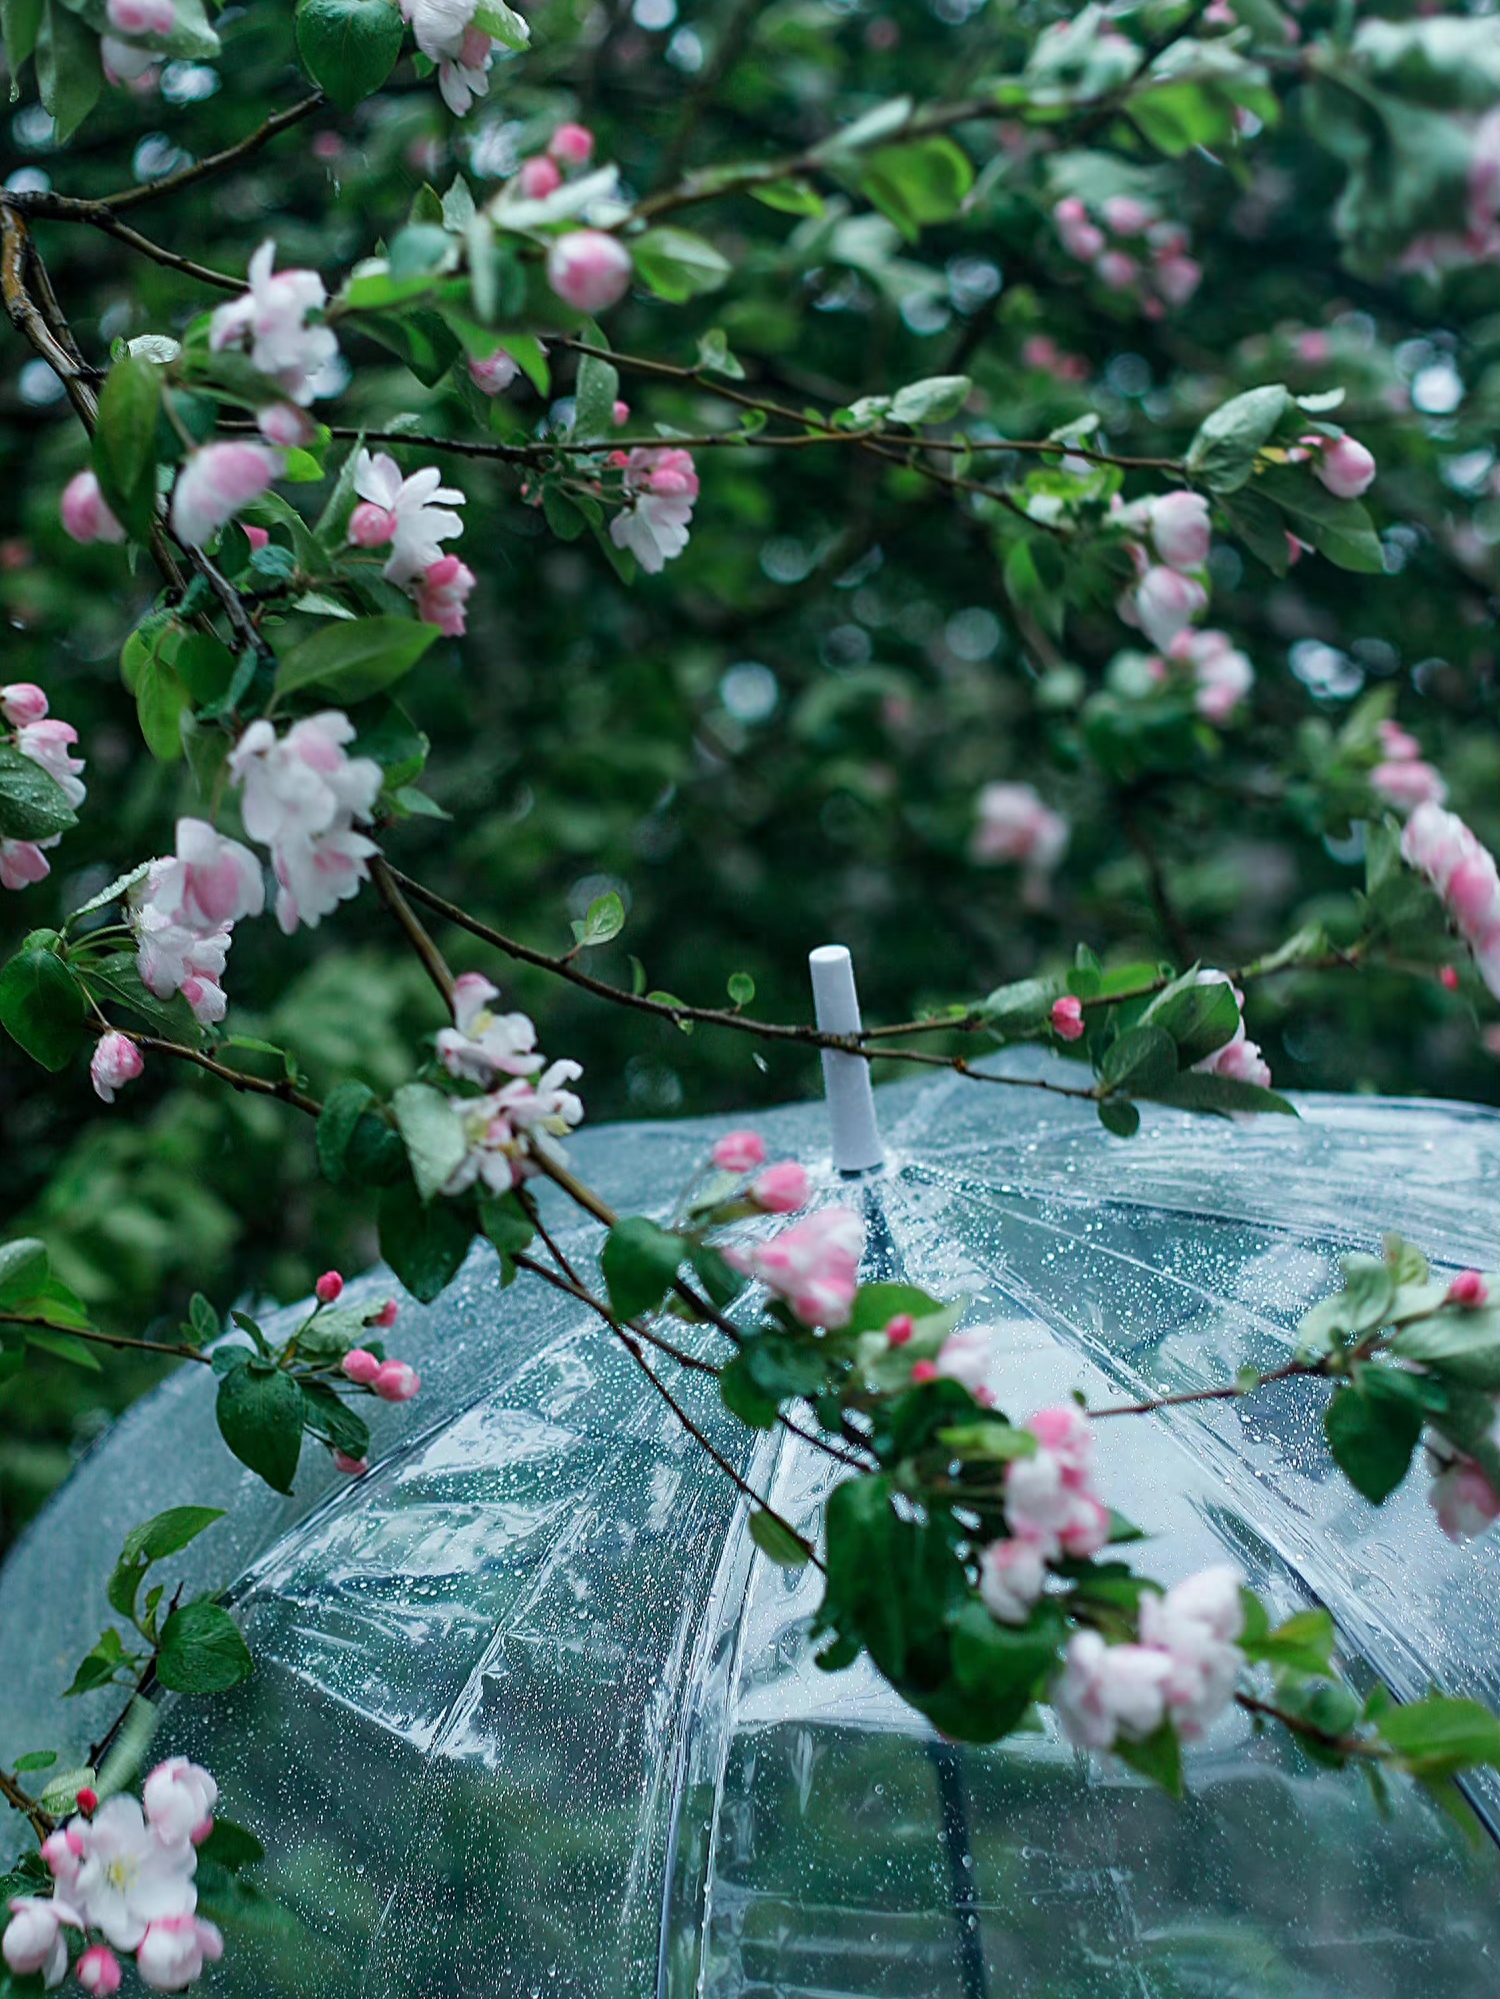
{"x": 533, "y": 1716}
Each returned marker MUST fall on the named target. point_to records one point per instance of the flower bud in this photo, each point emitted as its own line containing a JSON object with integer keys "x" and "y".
{"x": 1468, "y": 1289}
{"x": 99, "y": 1971}
{"x": 572, "y": 144}
{"x": 140, "y": 17}
{"x": 22, "y": 702}
{"x": 495, "y": 372}
{"x": 88, "y": 1800}
{"x": 386, "y": 1316}
{"x": 84, "y": 514}
{"x": 1067, "y": 1018}
{"x": 589, "y": 270}
{"x": 284, "y": 424}
{"x": 538, "y": 178}
{"x": 360, "y": 1365}
{"x": 620, "y": 413}
{"x": 116, "y": 1061}
{"x": 1345, "y": 467}
{"x": 215, "y": 483}
{"x": 900, "y": 1329}
{"x": 371, "y": 526}
{"x": 396, "y": 1381}
{"x": 351, "y": 1467}
{"x": 781, "y": 1189}
{"x": 257, "y": 537}
{"x": 739, "y": 1151}
{"x": 1448, "y": 978}
{"x": 924, "y": 1371}
{"x": 328, "y": 1288}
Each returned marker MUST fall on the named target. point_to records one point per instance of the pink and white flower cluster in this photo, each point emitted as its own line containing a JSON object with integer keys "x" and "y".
{"x": 447, "y": 35}
{"x": 512, "y": 1121}
{"x": 813, "y": 1266}
{"x": 274, "y": 321}
{"x": 184, "y": 915}
{"x": 1462, "y": 869}
{"x": 1183, "y": 1670}
{"x": 300, "y": 796}
{"x": 126, "y": 1872}
{"x": 412, "y": 517}
{"x": 1015, "y": 826}
{"x": 1170, "y": 539}
{"x": 659, "y": 487}
{"x": 1221, "y": 674}
{"x": 1051, "y": 1510}
{"x": 1240, "y": 1058}
{"x": 1130, "y": 249}
{"x": 49, "y": 744}
{"x": 1402, "y": 778}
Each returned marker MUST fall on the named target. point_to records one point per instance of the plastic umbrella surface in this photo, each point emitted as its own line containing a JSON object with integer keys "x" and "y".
{"x": 532, "y": 1716}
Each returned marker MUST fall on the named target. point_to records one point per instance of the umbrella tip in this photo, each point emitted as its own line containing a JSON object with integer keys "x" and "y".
{"x": 846, "y": 1078}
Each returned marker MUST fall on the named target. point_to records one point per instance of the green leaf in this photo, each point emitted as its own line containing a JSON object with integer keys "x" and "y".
{"x": 776, "y": 1540}
{"x": 1373, "y": 1426}
{"x": 639, "y": 1262}
{"x": 875, "y": 1305}
{"x": 741, "y": 988}
{"x": 203, "y": 1319}
{"x": 1141, "y": 1062}
{"x": 204, "y": 665}
{"x": 24, "y": 1269}
{"x": 260, "y": 1419}
{"x": 1199, "y": 1018}
{"x": 1464, "y": 1345}
{"x": 424, "y": 1243}
{"x": 232, "y": 1846}
{"x": 125, "y": 442}
{"x": 200, "y": 1650}
{"x": 505, "y": 1220}
{"x": 934, "y": 400}
{"x": 1120, "y": 1117}
{"x": 790, "y": 197}
{"x": 164, "y": 1534}
{"x": 348, "y": 47}
{"x": 922, "y": 182}
{"x": 433, "y": 1135}
{"x": 595, "y": 392}
{"x": 1339, "y": 529}
{"x": 744, "y": 1397}
{"x": 1159, "y": 1757}
{"x": 328, "y": 1417}
{"x": 1304, "y": 1642}
{"x": 603, "y": 921}
{"x": 1192, "y": 1092}
{"x": 42, "y": 1005}
{"x": 351, "y": 661}
{"x": 1021, "y": 1008}
{"x": 160, "y": 698}
{"x": 1222, "y": 455}
{"x": 117, "y": 980}
{"x": 68, "y": 75}
{"x": 677, "y": 265}
{"x": 98, "y": 1669}
{"x": 1439, "y": 1736}
{"x": 33, "y": 805}
{"x": 21, "y": 19}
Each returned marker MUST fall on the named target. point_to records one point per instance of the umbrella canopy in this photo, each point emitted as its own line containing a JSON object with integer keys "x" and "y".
{"x": 533, "y": 1716}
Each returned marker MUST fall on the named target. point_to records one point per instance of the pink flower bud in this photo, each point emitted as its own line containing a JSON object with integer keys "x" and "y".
{"x": 1346, "y": 468}
{"x": 538, "y": 178}
{"x": 351, "y": 1467}
{"x": 360, "y": 1365}
{"x": 116, "y": 1061}
{"x": 572, "y": 144}
{"x": 1117, "y": 270}
{"x": 739, "y": 1151}
{"x": 285, "y": 425}
{"x": 84, "y": 514}
{"x": 781, "y": 1189}
{"x": 215, "y": 483}
{"x": 1468, "y": 1289}
{"x": 900, "y": 1329}
{"x": 1067, "y": 1018}
{"x": 1180, "y": 529}
{"x": 1126, "y": 216}
{"x": 257, "y": 537}
{"x": 620, "y": 412}
{"x": 371, "y": 526}
{"x": 22, "y": 702}
{"x": 140, "y": 17}
{"x": 88, "y": 1800}
{"x": 924, "y": 1371}
{"x": 1448, "y": 978}
{"x": 396, "y": 1381}
{"x": 495, "y": 372}
{"x": 442, "y": 594}
{"x": 1463, "y": 1499}
{"x": 589, "y": 270}
{"x": 386, "y": 1316}
{"x": 328, "y": 1288}
{"x": 99, "y": 1968}
{"x": 1399, "y": 744}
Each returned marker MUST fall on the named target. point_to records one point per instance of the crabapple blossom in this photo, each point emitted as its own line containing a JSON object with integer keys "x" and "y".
{"x": 360, "y": 1365}
{"x": 781, "y": 1189}
{"x": 1163, "y": 603}
{"x": 1126, "y": 216}
{"x": 386, "y": 1316}
{"x": 482, "y": 1044}
{"x": 63, "y": 1850}
{"x": 1117, "y": 270}
{"x": 370, "y": 526}
{"x": 1195, "y": 1624}
{"x": 1014, "y": 825}
{"x": 314, "y": 876}
{"x": 396, "y": 1381}
{"x": 814, "y": 1265}
{"x": 538, "y": 177}
{"x": 573, "y": 145}
{"x": 212, "y": 881}
{"x": 1066, "y": 1018}
{"x": 215, "y": 483}
{"x": 174, "y": 1950}
{"x": 1222, "y": 674}
{"x": 739, "y": 1151}
{"x": 257, "y": 537}
{"x": 130, "y": 1876}
{"x": 660, "y": 487}
{"x": 495, "y": 372}
{"x": 141, "y": 17}
{"x": 1081, "y": 238}
{"x": 1052, "y": 1506}
{"x": 1239, "y": 1058}
{"x": 286, "y": 426}
{"x": 966, "y": 1357}
{"x": 1180, "y": 529}
{"x": 116, "y": 1061}
{"x": 1468, "y": 1289}
{"x": 271, "y": 320}
{"x": 88, "y": 1800}
{"x": 1011, "y": 1576}
{"x": 1446, "y": 853}
{"x": 447, "y": 35}
{"x": 178, "y": 1798}
{"x": 301, "y": 794}
{"x": 22, "y": 701}
{"x": 442, "y": 593}
{"x": 1408, "y": 783}
{"x": 33, "y": 1939}
{"x": 328, "y": 1288}
{"x": 99, "y": 1971}
{"x": 1345, "y": 467}
{"x": 49, "y": 743}
{"x": 1176, "y": 277}
{"x": 502, "y": 1130}
{"x": 589, "y": 270}
{"x": 420, "y": 508}
{"x": 122, "y": 62}
{"x": 22, "y": 862}
{"x": 1463, "y": 1499}
{"x": 1398, "y": 744}
{"x": 1109, "y": 1690}
{"x": 85, "y": 514}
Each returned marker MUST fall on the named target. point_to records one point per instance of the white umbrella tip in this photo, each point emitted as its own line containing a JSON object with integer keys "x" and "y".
{"x": 846, "y": 1078}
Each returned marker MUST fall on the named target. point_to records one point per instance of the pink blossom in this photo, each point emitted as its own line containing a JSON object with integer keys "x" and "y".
{"x": 174, "y": 1950}
{"x": 967, "y": 1356}
{"x": 1468, "y": 1289}
{"x": 351, "y": 1467}
{"x": 1081, "y": 238}
{"x": 1065, "y": 1432}
{"x": 1126, "y": 216}
{"x": 1399, "y": 744}
{"x": 50, "y": 744}
{"x": 1110, "y": 1690}
{"x": 1047, "y": 1504}
{"x": 179, "y": 1798}
{"x": 329, "y": 1288}
{"x": 370, "y": 526}
{"x": 1345, "y": 467}
{"x": 739, "y": 1152}
{"x": 1177, "y": 278}
{"x": 213, "y": 881}
{"x": 314, "y": 876}
{"x": 1117, "y": 270}
{"x": 1442, "y": 849}
{"x": 130, "y": 1876}
{"x": 84, "y": 513}
{"x": 1011, "y": 1575}
{"x": 538, "y": 178}
{"x": 63, "y": 1851}
{"x": 99, "y": 1971}
{"x": 923, "y": 1371}
{"x": 589, "y": 270}
{"x": 304, "y": 784}
{"x": 215, "y": 483}
{"x": 573, "y": 145}
{"x": 283, "y": 424}
{"x": 505, "y": 1129}
{"x": 495, "y": 372}
{"x": 1163, "y": 604}
{"x": 464, "y": 75}
{"x": 781, "y": 1189}
{"x": 1464, "y": 1500}
{"x": 1239, "y": 1058}
{"x": 1194, "y": 1625}
{"x": 619, "y": 413}
{"x": 87, "y": 1800}
{"x": 1222, "y": 674}
{"x": 33, "y": 1939}
{"x": 116, "y": 1061}
{"x": 273, "y": 321}
{"x": 483, "y": 1044}
{"x": 660, "y": 486}
{"x": 386, "y": 1316}
{"x": 22, "y": 862}
{"x": 1014, "y": 825}
{"x": 396, "y": 1381}
{"x": 442, "y": 593}
{"x": 124, "y": 63}
{"x": 360, "y": 1365}
{"x": 141, "y": 17}
{"x": 1408, "y": 782}
{"x": 420, "y": 510}
{"x": 257, "y": 537}
{"x": 1067, "y": 1018}
{"x": 21, "y": 702}
{"x": 1180, "y": 529}
{"x": 899, "y": 1329}
{"x": 814, "y": 1265}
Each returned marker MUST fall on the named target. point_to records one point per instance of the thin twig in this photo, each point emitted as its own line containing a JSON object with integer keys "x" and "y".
{"x": 433, "y": 962}
{"x": 1229, "y": 1392}
{"x": 42, "y": 1822}
{"x": 162, "y": 1349}
{"x": 285, "y": 1089}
